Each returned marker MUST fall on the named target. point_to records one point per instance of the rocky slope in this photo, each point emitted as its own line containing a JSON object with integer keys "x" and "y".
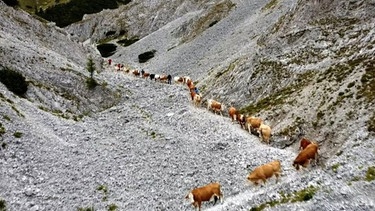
{"x": 134, "y": 144}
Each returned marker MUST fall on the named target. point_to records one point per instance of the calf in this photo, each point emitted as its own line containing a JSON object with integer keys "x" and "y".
{"x": 264, "y": 133}
{"x": 304, "y": 157}
{"x": 215, "y": 106}
{"x": 232, "y": 111}
{"x": 304, "y": 143}
{"x": 265, "y": 171}
{"x": 253, "y": 123}
{"x": 209, "y": 192}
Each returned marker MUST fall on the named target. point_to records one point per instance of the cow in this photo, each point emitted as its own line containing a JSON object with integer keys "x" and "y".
{"x": 304, "y": 157}
{"x": 163, "y": 78}
{"x": 178, "y": 79}
{"x": 197, "y": 99}
{"x": 215, "y": 106}
{"x": 304, "y": 143}
{"x": 190, "y": 84}
{"x": 208, "y": 192}
{"x": 145, "y": 75}
{"x": 264, "y": 133}
{"x": 152, "y": 76}
{"x": 265, "y": 171}
{"x": 136, "y": 72}
{"x": 241, "y": 119}
{"x": 232, "y": 111}
{"x": 186, "y": 79}
{"x": 253, "y": 123}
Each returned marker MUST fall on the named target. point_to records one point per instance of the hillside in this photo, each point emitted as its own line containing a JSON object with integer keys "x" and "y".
{"x": 306, "y": 67}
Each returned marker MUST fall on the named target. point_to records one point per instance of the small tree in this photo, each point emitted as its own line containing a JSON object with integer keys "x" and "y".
{"x": 91, "y": 66}
{"x": 91, "y": 83}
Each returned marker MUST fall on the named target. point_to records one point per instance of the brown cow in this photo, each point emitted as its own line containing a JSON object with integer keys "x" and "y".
{"x": 265, "y": 171}
{"x": 304, "y": 143}
{"x": 232, "y": 111}
{"x": 304, "y": 157}
{"x": 253, "y": 123}
{"x": 264, "y": 133}
{"x": 209, "y": 192}
{"x": 215, "y": 106}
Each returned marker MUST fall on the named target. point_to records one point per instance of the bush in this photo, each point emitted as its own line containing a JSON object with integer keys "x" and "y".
{"x": 107, "y": 49}
{"x": 144, "y": 57}
{"x": 73, "y": 11}
{"x": 14, "y": 81}
{"x": 11, "y": 3}
{"x": 91, "y": 83}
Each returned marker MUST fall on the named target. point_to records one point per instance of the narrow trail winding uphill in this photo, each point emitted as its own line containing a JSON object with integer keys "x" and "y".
{"x": 193, "y": 146}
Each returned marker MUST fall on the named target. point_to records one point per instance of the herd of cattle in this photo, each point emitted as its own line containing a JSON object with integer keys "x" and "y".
{"x": 255, "y": 125}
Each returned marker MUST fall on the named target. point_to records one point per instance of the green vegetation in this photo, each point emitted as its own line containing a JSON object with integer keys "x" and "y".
{"x": 298, "y": 196}
{"x": 127, "y": 42}
{"x": 17, "y": 134}
{"x": 6, "y": 117}
{"x": 280, "y": 97}
{"x": 11, "y": 3}
{"x": 3, "y": 206}
{"x": 2, "y": 129}
{"x": 106, "y": 49}
{"x": 91, "y": 82}
{"x": 370, "y": 174}
{"x": 371, "y": 123}
{"x": 73, "y": 11}
{"x": 104, "y": 189}
{"x": 270, "y": 5}
{"x": 335, "y": 167}
{"x": 112, "y": 207}
{"x": 291, "y": 129}
{"x": 86, "y": 209}
{"x": 230, "y": 68}
{"x": 367, "y": 90}
{"x": 14, "y": 81}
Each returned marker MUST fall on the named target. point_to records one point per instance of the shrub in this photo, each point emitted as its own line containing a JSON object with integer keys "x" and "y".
{"x": 11, "y": 3}
{"x": 144, "y": 57}
{"x": 107, "y": 49}
{"x": 370, "y": 174}
{"x": 91, "y": 83}
{"x": 14, "y": 81}
{"x": 73, "y": 11}
{"x": 91, "y": 66}
{"x": 2, "y": 205}
{"x": 18, "y": 134}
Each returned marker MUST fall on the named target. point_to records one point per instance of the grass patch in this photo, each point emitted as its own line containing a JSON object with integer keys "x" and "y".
{"x": 367, "y": 90}
{"x": 298, "y": 196}
{"x": 370, "y": 174}
{"x": 280, "y": 96}
{"x": 335, "y": 167}
{"x": 2, "y": 129}
{"x": 86, "y": 208}
{"x": 18, "y": 134}
{"x": 270, "y": 5}
{"x": 3, "y": 206}
{"x": 103, "y": 189}
{"x": 112, "y": 207}
{"x": 371, "y": 123}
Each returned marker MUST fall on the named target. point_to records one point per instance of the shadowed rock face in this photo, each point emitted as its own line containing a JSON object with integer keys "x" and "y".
{"x": 302, "y": 66}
